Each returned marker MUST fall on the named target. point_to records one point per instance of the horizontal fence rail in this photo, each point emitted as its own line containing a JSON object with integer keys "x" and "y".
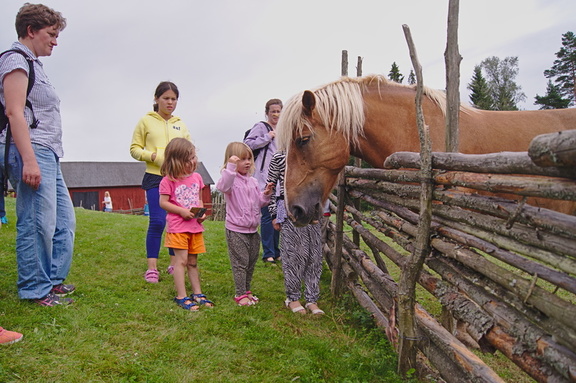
{"x": 502, "y": 269}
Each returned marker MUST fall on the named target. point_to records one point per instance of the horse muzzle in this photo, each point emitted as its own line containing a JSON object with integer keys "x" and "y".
{"x": 305, "y": 208}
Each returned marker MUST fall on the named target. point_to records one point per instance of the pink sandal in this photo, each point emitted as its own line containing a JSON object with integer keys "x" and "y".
{"x": 252, "y": 297}
{"x": 238, "y": 300}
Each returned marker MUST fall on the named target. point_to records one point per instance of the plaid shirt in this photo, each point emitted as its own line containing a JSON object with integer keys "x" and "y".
{"x": 43, "y": 97}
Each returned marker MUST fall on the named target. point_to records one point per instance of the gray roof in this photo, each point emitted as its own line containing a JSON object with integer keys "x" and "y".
{"x": 110, "y": 174}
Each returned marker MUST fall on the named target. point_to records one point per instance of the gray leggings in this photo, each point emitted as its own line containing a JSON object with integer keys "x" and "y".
{"x": 243, "y": 250}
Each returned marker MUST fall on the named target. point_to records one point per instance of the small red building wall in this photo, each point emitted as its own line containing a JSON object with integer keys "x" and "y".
{"x": 127, "y": 198}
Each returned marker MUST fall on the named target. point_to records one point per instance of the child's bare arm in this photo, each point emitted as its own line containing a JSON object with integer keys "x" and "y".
{"x": 269, "y": 188}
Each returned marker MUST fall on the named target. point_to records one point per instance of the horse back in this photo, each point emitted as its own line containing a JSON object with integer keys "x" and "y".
{"x": 496, "y": 131}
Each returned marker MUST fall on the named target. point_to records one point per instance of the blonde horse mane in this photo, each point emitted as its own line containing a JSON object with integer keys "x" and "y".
{"x": 340, "y": 106}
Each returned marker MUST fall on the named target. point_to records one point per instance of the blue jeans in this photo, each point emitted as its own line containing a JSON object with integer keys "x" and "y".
{"x": 2, "y": 208}
{"x": 270, "y": 237}
{"x": 45, "y": 225}
{"x": 156, "y": 224}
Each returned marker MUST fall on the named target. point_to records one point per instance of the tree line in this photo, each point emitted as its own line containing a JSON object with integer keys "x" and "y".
{"x": 493, "y": 85}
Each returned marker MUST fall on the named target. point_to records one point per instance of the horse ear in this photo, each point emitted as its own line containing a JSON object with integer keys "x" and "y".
{"x": 308, "y": 103}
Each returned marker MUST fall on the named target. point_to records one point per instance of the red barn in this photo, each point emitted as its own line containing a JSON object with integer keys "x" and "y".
{"x": 87, "y": 182}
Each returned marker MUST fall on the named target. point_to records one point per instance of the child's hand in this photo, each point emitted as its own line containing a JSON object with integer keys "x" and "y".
{"x": 268, "y": 189}
{"x": 186, "y": 214}
{"x": 233, "y": 160}
{"x": 276, "y": 225}
{"x": 202, "y": 219}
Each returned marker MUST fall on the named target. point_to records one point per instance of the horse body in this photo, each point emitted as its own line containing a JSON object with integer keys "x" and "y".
{"x": 372, "y": 118}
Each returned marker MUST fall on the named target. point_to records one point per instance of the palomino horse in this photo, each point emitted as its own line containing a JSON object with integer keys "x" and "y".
{"x": 371, "y": 118}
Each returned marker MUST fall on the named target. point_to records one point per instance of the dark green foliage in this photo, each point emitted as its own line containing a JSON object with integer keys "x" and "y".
{"x": 480, "y": 92}
{"x": 395, "y": 74}
{"x": 552, "y": 99}
{"x": 411, "y": 78}
{"x": 500, "y": 75}
{"x": 563, "y": 70}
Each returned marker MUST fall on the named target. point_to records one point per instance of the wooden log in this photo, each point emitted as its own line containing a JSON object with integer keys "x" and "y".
{"x": 555, "y": 277}
{"x": 398, "y": 259}
{"x": 389, "y": 328}
{"x": 476, "y": 370}
{"x": 452, "y": 59}
{"x": 525, "y": 234}
{"x": 463, "y": 363}
{"x": 335, "y": 283}
{"x": 532, "y": 186}
{"x": 562, "y": 263}
{"x": 554, "y": 149}
{"x": 498, "y": 163}
{"x": 481, "y": 323}
{"x": 546, "y": 302}
{"x": 543, "y": 300}
{"x": 524, "y": 324}
{"x": 542, "y": 219}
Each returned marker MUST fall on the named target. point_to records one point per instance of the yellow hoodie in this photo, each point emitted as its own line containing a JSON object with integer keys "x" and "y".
{"x": 151, "y": 135}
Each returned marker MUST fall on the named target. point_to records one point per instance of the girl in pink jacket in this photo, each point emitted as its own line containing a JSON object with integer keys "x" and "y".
{"x": 243, "y": 202}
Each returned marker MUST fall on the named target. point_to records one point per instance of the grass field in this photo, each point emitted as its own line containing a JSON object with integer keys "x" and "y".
{"x": 122, "y": 329}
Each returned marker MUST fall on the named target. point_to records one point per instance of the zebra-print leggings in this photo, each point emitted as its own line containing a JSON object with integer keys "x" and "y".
{"x": 301, "y": 251}
{"x": 243, "y": 250}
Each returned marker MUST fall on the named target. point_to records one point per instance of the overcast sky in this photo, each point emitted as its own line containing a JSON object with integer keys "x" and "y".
{"x": 228, "y": 57}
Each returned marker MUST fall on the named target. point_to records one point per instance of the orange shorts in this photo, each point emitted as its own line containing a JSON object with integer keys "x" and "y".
{"x": 194, "y": 242}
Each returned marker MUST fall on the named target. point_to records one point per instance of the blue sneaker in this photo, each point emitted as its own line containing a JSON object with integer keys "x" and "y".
{"x": 4, "y": 220}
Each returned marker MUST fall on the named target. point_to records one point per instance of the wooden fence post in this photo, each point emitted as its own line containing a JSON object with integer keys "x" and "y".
{"x": 336, "y": 282}
{"x": 452, "y": 58}
{"x": 357, "y": 163}
{"x": 408, "y": 341}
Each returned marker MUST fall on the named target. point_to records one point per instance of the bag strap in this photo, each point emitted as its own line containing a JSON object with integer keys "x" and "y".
{"x": 35, "y": 122}
{"x": 265, "y": 148}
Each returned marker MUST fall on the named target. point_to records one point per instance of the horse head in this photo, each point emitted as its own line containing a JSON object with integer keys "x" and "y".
{"x": 315, "y": 155}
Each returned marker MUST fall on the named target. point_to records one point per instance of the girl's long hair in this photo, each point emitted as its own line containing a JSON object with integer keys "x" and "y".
{"x": 177, "y": 159}
{"x": 240, "y": 150}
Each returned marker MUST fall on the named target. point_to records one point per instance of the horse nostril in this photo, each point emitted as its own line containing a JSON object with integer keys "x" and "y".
{"x": 297, "y": 212}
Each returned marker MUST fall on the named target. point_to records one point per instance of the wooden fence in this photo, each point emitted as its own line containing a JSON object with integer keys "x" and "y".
{"x": 503, "y": 271}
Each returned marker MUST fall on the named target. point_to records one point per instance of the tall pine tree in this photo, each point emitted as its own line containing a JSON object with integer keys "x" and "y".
{"x": 411, "y": 77}
{"x": 563, "y": 70}
{"x": 395, "y": 74}
{"x": 552, "y": 99}
{"x": 479, "y": 90}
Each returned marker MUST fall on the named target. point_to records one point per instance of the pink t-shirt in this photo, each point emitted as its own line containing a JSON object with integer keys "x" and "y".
{"x": 186, "y": 193}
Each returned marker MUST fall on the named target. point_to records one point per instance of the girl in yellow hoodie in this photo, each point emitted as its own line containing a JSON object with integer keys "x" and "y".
{"x": 151, "y": 135}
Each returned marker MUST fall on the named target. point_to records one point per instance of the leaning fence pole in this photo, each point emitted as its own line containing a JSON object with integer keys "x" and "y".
{"x": 408, "y": 341}
{"x": 336, "y": 282}
{"x": 357, "y": 162}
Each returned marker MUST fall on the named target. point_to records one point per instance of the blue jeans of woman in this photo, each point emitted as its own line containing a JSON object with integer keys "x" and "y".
{"x": 270, "y": 237}
{"x": 45, "y": 226}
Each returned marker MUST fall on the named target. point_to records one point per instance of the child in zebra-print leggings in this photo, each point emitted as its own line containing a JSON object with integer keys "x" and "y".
{"x": 300, "y": 247}
{"x": 243, "y": 203}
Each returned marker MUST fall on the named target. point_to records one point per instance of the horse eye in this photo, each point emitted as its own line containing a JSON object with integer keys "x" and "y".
{"x": 301, "y": 141}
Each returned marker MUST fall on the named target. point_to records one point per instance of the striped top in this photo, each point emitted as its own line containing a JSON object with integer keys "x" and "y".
{"x": 43, "y": 97}
{"x": 276, "y": 176}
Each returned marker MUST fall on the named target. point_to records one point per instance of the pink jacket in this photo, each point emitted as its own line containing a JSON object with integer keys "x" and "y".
{"x": 243, "y": 200}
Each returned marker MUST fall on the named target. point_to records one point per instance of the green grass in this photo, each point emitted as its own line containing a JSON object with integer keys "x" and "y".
{"x": 121, "y": 329}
